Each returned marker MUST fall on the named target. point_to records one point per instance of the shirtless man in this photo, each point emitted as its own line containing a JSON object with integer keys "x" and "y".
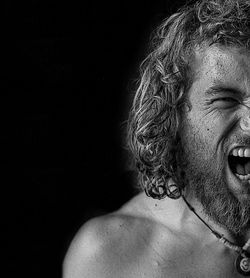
{"x": 189, "y": 132}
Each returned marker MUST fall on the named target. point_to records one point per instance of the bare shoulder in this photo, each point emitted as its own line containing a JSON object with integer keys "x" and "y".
{"x": 115, "y": 245}
{"x": 104, "y": 245}
{"x": 89, "y": 252}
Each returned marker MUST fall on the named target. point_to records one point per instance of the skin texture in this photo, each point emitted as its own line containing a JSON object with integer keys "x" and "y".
{"x": 215, "y": 125}
{"x": 163, "y": 238}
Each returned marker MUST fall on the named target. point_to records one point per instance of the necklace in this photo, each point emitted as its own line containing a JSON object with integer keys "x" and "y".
{"x": 242, "y": 262}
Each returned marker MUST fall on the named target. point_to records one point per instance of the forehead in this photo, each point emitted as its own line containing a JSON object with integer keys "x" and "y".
{"x": 223, "y": 66}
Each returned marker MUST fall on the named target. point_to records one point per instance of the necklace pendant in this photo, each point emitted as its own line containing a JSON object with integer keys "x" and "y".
{"x": 242, "y": 263}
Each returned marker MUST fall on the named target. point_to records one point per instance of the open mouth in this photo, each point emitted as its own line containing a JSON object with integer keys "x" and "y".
{"x": 239, "y": 163}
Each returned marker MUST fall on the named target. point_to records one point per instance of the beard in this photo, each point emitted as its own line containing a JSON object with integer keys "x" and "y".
{"x": 205, "y": 179}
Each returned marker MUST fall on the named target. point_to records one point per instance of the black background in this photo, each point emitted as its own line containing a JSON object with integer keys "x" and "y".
{"x": 67, "y": 76}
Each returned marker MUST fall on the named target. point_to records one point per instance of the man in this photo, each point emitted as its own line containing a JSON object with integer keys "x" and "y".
{"x": 189, "y": 132}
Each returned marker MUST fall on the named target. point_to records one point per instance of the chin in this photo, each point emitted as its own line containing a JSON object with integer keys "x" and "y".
{"x": 224, "y": 197}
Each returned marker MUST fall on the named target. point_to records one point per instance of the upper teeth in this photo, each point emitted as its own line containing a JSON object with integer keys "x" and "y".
{"x": 242, "y": 152}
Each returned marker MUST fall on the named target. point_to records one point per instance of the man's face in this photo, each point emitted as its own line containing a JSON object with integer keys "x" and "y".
{"x": 212, "y": 132}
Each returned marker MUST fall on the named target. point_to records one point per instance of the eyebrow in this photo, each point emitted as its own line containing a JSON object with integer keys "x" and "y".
{"x": 216, "y": 89}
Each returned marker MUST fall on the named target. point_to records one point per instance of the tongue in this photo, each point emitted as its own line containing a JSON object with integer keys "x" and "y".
{"x": 243, "y": 169}
{"x": 240, "y": 169}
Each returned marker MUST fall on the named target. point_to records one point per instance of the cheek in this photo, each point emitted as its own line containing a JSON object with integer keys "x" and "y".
{"x": 197, "y": 140}
{"x": 202, "y": 136}
{"x": 201, "y": 126}
{"x": 212, "y": 127}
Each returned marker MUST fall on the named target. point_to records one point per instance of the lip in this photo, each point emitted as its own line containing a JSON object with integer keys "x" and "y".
{"x": 237, "y": 187}
{"x": 232, "y": 178}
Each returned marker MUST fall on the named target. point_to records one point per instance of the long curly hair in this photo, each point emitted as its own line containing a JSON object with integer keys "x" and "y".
{"x": 165, "y": 78}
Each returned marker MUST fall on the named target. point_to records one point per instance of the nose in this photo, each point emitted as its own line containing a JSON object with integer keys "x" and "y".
{"x": 245, "y": 123}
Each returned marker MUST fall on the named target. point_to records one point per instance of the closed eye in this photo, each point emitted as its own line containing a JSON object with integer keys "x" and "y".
{"x": 229, "y": 99}
{"x": 225, "y": 102}
{"x": 226, "y": 99}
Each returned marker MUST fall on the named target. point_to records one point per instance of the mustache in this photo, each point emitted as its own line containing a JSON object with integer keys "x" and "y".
{"x": 236, "y": 139}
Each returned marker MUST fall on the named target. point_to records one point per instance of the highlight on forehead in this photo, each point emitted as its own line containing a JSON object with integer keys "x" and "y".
{"x": 215, "y": 63}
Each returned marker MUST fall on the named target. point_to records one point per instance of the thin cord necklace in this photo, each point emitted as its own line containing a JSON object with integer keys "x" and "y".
{"x": 242, "y": 262}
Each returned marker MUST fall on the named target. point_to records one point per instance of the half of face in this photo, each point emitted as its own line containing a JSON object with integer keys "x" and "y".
{"x": 220, "y": 114}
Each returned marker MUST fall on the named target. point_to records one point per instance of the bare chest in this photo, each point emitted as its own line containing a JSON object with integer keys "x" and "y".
{"x": 194, "y": 264}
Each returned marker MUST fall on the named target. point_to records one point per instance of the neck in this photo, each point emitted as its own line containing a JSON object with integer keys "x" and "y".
{"x": 195, "y": 208}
